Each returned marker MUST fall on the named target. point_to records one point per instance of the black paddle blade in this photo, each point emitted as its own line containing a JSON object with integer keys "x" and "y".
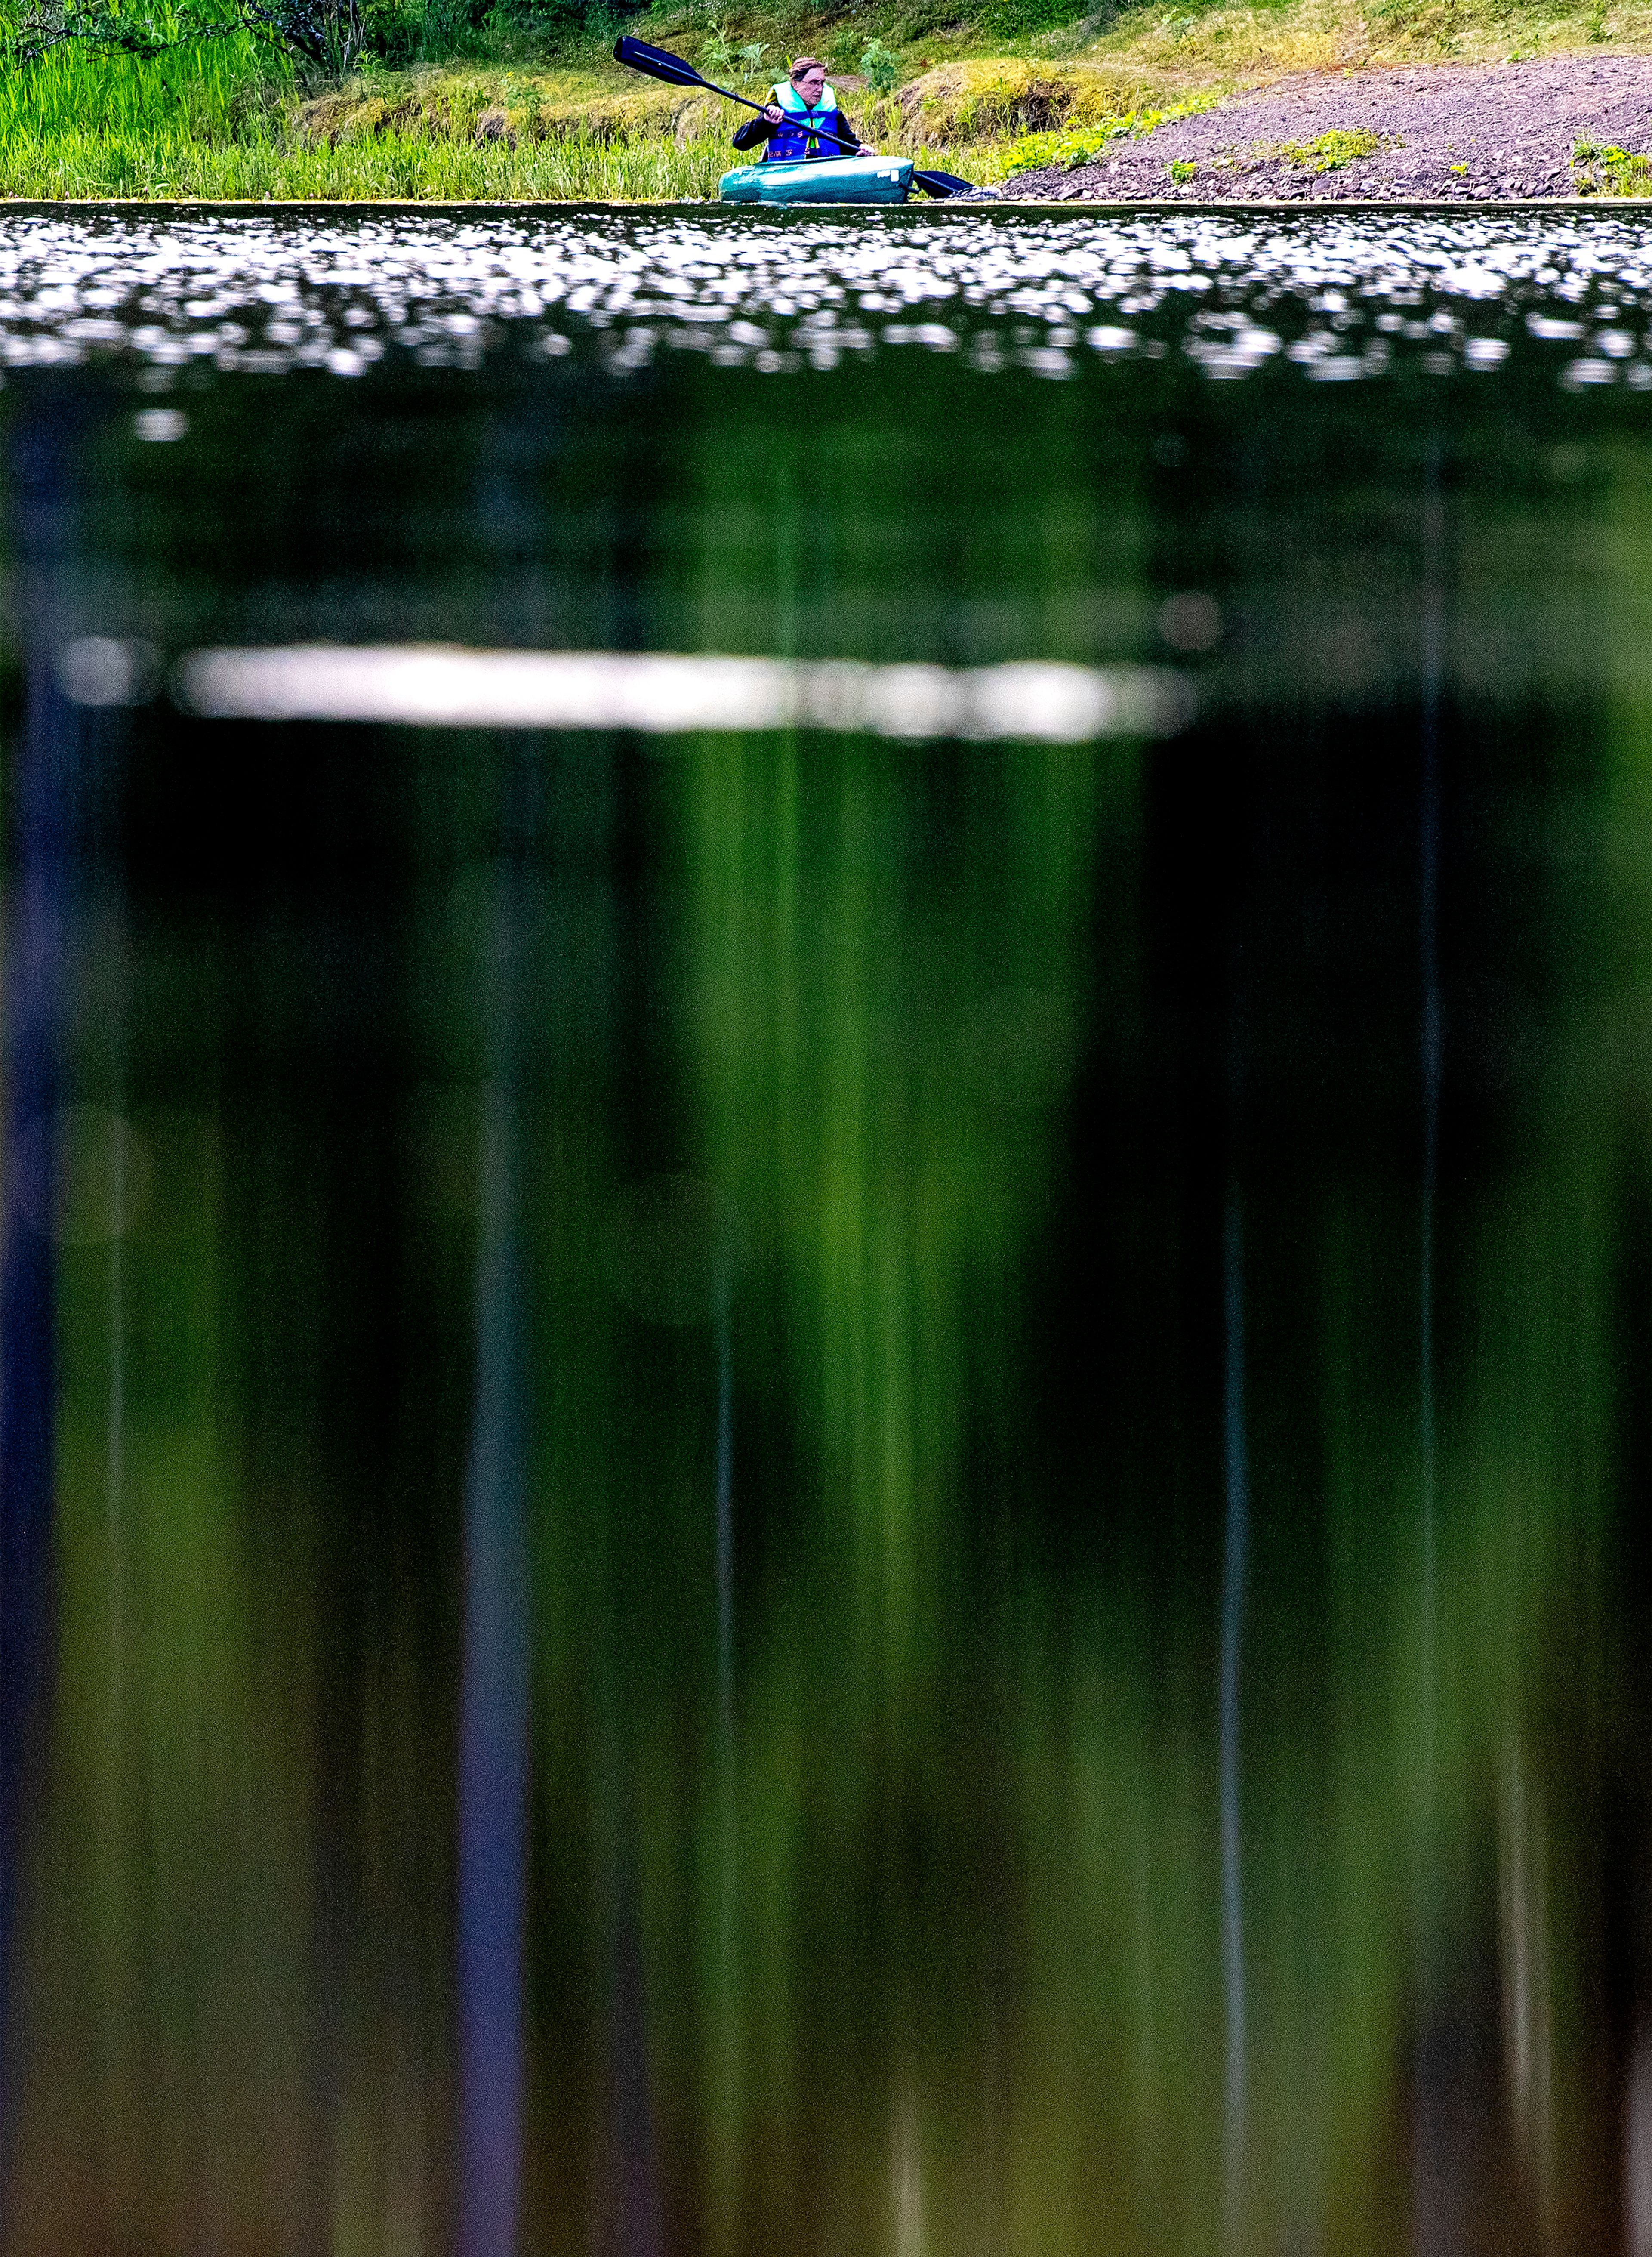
{"x": 656, "y": 62}
{"x": 940, "y": 184}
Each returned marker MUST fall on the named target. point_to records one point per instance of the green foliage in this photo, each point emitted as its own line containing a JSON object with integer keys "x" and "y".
{"x": 326, "y": 33}
{"x": 331, "y": 37}
{"x": 1182, "y": 170}
{"x": 880, "y": 67}
{"x": 920, "y": 20}
{"x": 1331, "y": 150}
{"x": 1601, "y": 169}
{"x": 1079, "y": 145}
{"x": 1072, "y": 39}
{"x": 393, "y": 32}
{"x": 720, "y": 55}
{"x": 1022, "y": 18}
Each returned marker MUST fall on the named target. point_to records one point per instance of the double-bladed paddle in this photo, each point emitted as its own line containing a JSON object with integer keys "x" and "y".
{"x": 656, "y": 63}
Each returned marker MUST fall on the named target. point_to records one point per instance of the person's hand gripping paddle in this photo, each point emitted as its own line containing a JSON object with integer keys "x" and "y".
{"x": 654, "y": 62}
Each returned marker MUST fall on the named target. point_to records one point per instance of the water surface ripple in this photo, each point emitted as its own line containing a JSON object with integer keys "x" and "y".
{"x": 1335, "y": 298}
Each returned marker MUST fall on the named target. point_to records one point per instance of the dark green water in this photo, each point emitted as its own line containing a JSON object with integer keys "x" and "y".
{"x": 804, "y": 1489}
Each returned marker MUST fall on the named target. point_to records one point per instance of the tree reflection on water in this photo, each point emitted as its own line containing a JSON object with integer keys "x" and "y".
{"x": 789, "y": 1492}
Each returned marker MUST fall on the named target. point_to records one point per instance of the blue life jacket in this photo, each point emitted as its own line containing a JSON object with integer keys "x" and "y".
{"x": 798, "y": 134}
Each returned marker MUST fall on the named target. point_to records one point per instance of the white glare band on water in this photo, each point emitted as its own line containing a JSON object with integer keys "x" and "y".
{"x": 432, "y": 687}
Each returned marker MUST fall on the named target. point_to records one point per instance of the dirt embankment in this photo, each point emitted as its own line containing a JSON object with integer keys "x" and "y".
{"x": 1450, "y": 131}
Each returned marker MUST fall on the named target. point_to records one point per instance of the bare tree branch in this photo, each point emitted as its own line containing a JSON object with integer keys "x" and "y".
{"x": 327, "y": 34}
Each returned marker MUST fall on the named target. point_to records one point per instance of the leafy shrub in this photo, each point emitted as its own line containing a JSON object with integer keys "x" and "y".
{"x": 394, "y": 31}
{"x": 728, "y": 60}
{"x": 1601, "y": 169}
{"x": 881, "y": 67}
{"x": 1333, "y": 150}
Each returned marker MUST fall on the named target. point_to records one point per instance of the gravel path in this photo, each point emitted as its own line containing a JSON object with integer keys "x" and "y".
{"x": 1456, "y": 131}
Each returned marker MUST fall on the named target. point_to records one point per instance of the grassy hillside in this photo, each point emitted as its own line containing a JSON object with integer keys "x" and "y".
{"x": 529, "y": 104}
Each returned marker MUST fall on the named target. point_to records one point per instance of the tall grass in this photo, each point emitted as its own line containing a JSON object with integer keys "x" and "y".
{"x": 216, "y": 120}
{"x": 261, "y": 167}
{"x": 210, "y": 90}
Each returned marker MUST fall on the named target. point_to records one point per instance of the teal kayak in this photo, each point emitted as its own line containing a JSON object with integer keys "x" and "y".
{"x": 821, "y": 181}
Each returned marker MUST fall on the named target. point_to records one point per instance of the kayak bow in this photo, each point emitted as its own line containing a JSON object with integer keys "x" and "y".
{"x": 821, "y": 181}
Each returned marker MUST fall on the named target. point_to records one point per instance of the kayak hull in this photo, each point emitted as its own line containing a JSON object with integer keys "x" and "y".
{"x": 821, "y": 181}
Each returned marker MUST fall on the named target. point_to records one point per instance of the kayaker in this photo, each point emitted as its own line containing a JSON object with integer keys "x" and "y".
{"x": 799, "y": 119}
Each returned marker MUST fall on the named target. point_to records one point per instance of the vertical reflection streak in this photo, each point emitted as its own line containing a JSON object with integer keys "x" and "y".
{"x": 1430, "y": 1039}
{"x": 115, "y": 1438}
{"x": 1528, "y": 2010}
{"x": 28, "y": 1376}
{"x": 494, "y": 1704}
{"x": 1235, "y": 1553}
{"x": 1432, "y": 2193}
{"x": 118, "y": 1882}
{"x": 727, "y": 1877}
{"x": 725, "y": 1524}
{"x": 728, "y": 1862}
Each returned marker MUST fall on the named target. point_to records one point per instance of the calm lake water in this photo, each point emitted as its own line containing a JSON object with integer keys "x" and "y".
{"x": 846, "y": 1455}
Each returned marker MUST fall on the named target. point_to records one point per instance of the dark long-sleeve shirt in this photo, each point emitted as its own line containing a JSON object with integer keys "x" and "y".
{"x": 756, "y": 131}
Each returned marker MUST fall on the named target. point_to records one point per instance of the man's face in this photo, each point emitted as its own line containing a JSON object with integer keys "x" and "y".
{"x": 811, "y": 86}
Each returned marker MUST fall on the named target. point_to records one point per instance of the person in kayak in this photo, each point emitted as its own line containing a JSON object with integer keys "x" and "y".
{"x": 800, "y": 118}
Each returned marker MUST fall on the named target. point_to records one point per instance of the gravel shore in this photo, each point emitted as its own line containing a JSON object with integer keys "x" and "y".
{"x": 1454, "y": 132}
